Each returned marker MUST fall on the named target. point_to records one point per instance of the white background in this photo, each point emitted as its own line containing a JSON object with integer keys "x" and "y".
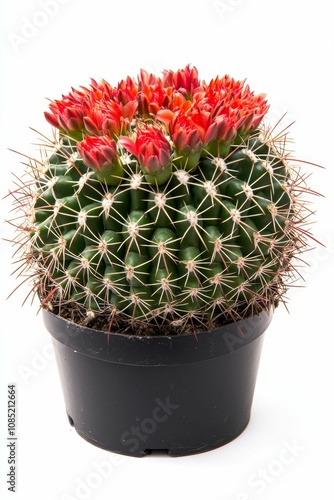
{"x": 285, "y": 49}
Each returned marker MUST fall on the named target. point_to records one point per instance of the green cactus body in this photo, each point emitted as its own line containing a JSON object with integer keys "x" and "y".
{"x": 205, "y": 242}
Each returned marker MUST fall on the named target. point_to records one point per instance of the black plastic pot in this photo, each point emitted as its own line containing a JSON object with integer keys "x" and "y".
{"x": 180, "y": 394}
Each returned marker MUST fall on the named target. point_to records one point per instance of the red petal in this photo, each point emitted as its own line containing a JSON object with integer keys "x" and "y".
{"x": 51, "y": 119}
{"x": 128, "y": 144}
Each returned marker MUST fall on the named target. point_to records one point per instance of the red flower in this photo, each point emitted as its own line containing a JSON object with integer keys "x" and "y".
{"x": 100, "y": 154}
{"x": 126, "y": 91}
{"x": 184, "y": 80}
{"x": 67, "y": 114}
{"x": 233, "y": 107}
{"x": 187, "y": 136}
{"x": 109, "y": 117}
{"x": 102, "y": 91}
{"x": 151, "y": 95}
{"x": 150, "y": 147}
{"x": 191, "y": 130}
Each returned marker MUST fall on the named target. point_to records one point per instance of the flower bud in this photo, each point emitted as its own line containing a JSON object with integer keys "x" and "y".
{"x": 151, "y": 149}
{"x": 100, "y": 154}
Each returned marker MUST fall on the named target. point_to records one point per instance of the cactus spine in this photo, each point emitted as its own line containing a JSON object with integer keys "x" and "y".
{"x": 170, "y": 234}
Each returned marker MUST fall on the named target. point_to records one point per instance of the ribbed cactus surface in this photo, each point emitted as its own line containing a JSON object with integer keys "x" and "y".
{"x": 184, "y": 237}
{"x": 203, "y": 243}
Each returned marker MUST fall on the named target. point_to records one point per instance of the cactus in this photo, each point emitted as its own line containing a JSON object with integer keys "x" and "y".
{"x": 165, "y": 206}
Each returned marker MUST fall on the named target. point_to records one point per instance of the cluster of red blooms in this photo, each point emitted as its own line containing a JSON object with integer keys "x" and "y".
{"x": 157, "y": 119}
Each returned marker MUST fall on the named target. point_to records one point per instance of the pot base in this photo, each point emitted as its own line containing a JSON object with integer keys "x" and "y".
{"x": 172, "y": 452}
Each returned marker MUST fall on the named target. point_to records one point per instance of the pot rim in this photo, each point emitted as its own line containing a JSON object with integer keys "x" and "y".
{"x": 158, "y": 349}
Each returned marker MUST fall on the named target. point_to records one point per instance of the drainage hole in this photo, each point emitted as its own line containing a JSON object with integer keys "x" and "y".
{"x": 157, "y": 452}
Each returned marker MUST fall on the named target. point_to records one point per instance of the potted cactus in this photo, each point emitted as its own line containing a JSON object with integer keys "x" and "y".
{"x": 160, "y": 230}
